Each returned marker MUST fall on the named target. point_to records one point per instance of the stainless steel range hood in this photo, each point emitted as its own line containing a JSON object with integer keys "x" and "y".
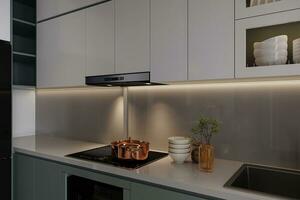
{"x": 123, "y": 80}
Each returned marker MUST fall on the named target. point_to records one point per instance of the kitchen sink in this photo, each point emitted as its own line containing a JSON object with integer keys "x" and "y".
{"x": 273, "y": 181}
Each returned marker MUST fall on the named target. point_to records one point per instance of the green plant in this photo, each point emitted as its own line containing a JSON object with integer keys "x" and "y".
{"x": 205, "y": 128}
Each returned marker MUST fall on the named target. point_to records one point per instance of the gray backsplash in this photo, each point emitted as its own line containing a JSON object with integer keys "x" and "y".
{"x": 92, "y": 114}
{"x": 260, "y": 121}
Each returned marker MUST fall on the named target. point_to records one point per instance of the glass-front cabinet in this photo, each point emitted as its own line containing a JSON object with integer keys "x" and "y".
{"x": 268, "y": 45}
{"x": 251, "y": 8}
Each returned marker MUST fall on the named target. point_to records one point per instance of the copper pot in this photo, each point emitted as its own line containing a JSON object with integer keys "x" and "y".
{"x": 130, "y": 149}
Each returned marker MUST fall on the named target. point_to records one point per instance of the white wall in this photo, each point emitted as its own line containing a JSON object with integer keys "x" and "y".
{"x": 5, "y": 20}
{"x": 23, "y": 112}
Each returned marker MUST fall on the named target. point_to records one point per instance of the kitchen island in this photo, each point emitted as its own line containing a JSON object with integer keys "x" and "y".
{"x": 41, "y": 157}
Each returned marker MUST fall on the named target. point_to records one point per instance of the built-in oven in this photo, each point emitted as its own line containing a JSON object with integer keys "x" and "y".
{"x": 85, "y": 189}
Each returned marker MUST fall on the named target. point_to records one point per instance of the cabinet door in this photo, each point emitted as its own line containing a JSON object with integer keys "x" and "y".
{"x": 24, "y": 177}
{"x": 61, "y": 51}
{"x": 49, "y": 181}
{"x": 243, "y": 8}
{"x": 257, "y": 29}
{"x": 211, "y": 39}
{"x": 47, "y": 9}
{"x": 100, "y": 39}
{"x": 145, "y": 192}
{"x": 5, "y": 20}
{"x": 168, "y": 40}
{"x": 132, "y": 35}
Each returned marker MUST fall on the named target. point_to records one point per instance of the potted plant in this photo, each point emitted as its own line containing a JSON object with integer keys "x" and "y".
{"x": 203, "y": 132}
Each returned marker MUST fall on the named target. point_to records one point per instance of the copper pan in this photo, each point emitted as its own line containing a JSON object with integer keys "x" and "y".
{"x": 130, "y": 149}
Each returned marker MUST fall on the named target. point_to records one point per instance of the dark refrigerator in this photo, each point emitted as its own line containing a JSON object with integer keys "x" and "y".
{"x": 5, "y": 120}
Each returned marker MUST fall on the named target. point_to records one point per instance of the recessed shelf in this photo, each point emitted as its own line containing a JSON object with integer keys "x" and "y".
{"x": 24, "y": 54}
{"x": 244, "y": 10}
{"x": 24, "y": 22}
{"x": 25, "y": 10}
{"x": 23, "y": 87}
{"x": 24, "y": 70}
{"x": 24, "y": 29}
{"x": 292, "y": 30}
{"x": 24, "y": 42}
{"x": 248, "y": 3}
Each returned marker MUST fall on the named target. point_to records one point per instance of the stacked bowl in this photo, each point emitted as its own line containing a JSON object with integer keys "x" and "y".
{"x": 272, "y": 51}
{"x": 296, "y": 50}
{"x": 179, "y": 148}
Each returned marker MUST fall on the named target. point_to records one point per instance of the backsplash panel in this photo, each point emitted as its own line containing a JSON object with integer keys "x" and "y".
{"x": 260, "y": 121}
{"x": 91, "y": 114}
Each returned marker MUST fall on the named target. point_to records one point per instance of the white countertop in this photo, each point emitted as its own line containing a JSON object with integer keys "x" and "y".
{"x": 186, "y": 177}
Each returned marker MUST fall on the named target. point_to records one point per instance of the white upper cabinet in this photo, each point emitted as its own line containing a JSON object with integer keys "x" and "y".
{"x": 50, "y": 8}
{"x": 275, "y": 57}
{"x": 251, "y": 8}
{"x": 168, "y": 40}
{"x": 132, "y": 35}
{"x": 61, "y": 51}
{"x": 100, "y": 39}
{"x": 211, "y": 39}
{"x": 5, "y": 20}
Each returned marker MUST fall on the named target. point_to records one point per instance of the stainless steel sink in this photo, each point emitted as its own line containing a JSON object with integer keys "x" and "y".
{"x": 280, "y": 182}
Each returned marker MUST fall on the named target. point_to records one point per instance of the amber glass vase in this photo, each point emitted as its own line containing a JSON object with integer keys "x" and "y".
{"x": 206, "y": 157}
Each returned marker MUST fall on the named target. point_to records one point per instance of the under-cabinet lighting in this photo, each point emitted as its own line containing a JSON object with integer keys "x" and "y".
{"x": 256, "y": 83}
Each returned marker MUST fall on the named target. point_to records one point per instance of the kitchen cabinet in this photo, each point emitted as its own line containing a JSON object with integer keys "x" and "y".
{"x": 257, "y": 29}
{"x": 49, "y": 181}
{"x": 168, "y": 40}
{"x": 39, "y": 179}
{"x": 132, "y": 35}
{"x": 36, "y": 179}
{"x": 47, "y": 9}
{"x": 23, "y": 177}
{"x": 5, "y": 20}
{"x": 24, "y": 42}
{"x": 244, "y": 10}
{"x": 100, "y": 39}
{"x": 211, "y": 39}
{"x": 61, "y": 51}
{"x": 146, "y": 192}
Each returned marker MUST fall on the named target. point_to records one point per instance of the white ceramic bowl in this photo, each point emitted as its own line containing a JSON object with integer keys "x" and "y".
{"x": 179, "y": 158}
{"x": 271, "y": 46}
{"x": 276, "y": 39}
{"x": 296, "y": 49}
{"x": 179, "y": 140}
{"x": 179, "y": 146}
{"x": 188, "y": 150}
{"x": 268, "y": 54}
{"x": 296, "y": 45}
{"x": 271, "y": 61}
{"x": 296, "y": 52}
{"x": 296, "y": 41}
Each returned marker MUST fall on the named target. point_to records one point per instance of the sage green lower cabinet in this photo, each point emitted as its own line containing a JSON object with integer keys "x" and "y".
{"x": 39, "y": 179}
{"x": 24, "y": 175}
{"x": 36, "y": 179}
{"x": 49, "y": 181}
{"x": 146, "y": 192}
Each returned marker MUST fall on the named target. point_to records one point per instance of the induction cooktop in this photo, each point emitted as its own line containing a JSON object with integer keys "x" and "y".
{"x": 104, "y": 155}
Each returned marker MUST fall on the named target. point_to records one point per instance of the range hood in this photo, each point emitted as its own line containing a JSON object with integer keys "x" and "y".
{"x": 123, "y": 80}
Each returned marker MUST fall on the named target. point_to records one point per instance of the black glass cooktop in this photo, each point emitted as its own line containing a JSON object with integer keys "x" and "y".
{"x": 104, "y": 155}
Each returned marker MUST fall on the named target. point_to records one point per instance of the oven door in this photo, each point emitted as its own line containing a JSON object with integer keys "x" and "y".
{"x": 84, "y": 189}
